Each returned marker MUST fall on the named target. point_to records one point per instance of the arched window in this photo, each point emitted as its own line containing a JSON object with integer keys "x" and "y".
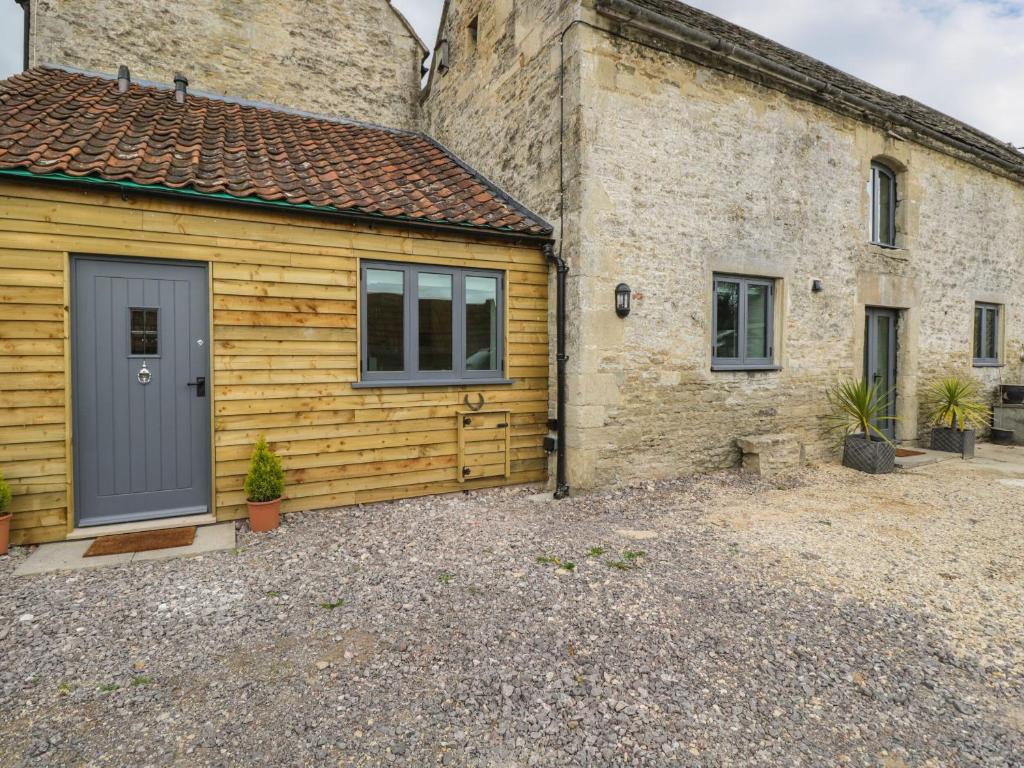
{"x": 883, "y": 205}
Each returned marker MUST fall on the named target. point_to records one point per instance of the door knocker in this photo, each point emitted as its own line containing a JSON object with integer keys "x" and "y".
{"x": 144, "y": 375}
{"x": 471, "y": 406}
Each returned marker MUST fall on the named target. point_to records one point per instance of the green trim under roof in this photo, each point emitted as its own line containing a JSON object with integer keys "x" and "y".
{"x": 352, "y": 213}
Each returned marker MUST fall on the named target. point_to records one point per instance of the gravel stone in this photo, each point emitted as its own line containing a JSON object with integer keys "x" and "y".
{"x": 701, "y": 635}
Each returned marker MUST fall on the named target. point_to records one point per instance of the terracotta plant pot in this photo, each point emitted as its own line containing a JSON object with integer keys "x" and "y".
{"x": 264, "y": 516}
{"x": 5, "y": 533}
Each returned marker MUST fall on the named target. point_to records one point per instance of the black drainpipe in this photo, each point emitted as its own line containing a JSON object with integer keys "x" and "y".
{"x": 25, "y": 7}
{"x": 562, "y": 269}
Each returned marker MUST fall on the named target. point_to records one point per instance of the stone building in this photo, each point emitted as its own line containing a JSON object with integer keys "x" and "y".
{"x": 352, "y": 58}
{"x": 780, "y": 224}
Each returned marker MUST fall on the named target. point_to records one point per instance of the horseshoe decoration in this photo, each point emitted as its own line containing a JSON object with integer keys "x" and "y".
{"x": 477, "y": 406}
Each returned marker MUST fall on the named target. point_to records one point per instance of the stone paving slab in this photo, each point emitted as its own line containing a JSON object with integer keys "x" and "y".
{"x": 70, "y": 555}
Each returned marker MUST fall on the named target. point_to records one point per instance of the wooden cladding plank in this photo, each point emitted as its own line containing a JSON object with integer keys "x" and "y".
{"x": 23, "y": 312}
{"x": 276, "y": 274}
{"x": 38, "y": 278}
{"x": 29, "y": 329}
{"x": 24, "y": 417}
{"x": 318, "y": 306}
{"x": 10, "y": 294}
{"x": 15, "y": 347}
{"x": 281, "y": 348}
{"x": 31, "y": 381}
{"x": 225, "y": 288}
{"x": 222, "y": 317}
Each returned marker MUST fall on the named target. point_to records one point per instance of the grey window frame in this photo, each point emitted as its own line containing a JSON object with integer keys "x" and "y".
{"x": 411, "y": 375}
{"x": 986, "y": 362}
{"x": 743, "y": 363}
{"x": 882, "y": 173}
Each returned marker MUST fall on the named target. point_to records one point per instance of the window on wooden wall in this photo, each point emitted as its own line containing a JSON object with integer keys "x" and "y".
{"x": 986, "y": 334}
{"x": 883, "y": 205}
{"x": 743, "y": 323}
{"x": 428, "y": 324}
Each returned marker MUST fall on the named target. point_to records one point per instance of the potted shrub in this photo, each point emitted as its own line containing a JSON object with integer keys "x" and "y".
{"x": 953, "y": 405}
{"x": 264, "y": 486}
{"x": 5, "y": 516}
{"x": 857, "y": 409}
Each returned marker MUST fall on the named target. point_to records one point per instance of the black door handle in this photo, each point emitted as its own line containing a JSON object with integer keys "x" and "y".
{"x": 200, "y": 385}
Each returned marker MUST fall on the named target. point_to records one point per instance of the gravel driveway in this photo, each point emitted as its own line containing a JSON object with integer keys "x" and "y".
{"x": 828, "y": 620}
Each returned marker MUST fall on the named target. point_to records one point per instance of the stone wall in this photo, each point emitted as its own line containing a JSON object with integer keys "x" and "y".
{"x": 692, "y": 172}
{"x": 675, "y": 171}
{"x": 350, "y": 58}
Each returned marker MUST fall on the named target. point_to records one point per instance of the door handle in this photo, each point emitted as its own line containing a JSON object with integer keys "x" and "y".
{"x": 200, "y": 385}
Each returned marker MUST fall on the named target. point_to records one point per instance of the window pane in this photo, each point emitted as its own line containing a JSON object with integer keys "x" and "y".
{"x": 385, "y": 320}
{"x": 435, "y": 318}
{"x": 885, "y": 223}
{"x": 727, "y": 298}
{"x": 481, "y": 323}
{"x": 757, "y": 321}
{"x": 979, "y": 322}
{"x": 991, "y": 346}
{"x": 144, "y": 331}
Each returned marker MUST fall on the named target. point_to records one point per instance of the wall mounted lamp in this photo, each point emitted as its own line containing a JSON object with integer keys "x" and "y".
{"x": 622, "y": 299}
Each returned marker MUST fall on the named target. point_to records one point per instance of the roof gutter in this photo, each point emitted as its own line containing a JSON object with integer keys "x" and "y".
{"x": 276, "y": 205}
{"x": 656, "y": 24}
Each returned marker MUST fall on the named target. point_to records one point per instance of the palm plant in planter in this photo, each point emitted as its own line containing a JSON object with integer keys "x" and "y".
{"x": 953, "y": 405}
{"x": 5, "y": 516}
{"x": 264, "y": 486}
{"x": 857, "y": 410}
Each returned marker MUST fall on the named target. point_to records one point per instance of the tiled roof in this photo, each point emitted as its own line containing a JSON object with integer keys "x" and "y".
{"x": 56, "y": 121}
{"x": 901, "y": 107}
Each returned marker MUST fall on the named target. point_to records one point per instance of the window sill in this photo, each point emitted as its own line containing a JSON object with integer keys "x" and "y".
{"x": 986, "y": 364}
{"x": 432, "y": 383}
{"x": 746, "y": 368}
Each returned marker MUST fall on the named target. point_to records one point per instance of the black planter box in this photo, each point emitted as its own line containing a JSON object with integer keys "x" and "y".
{"x": 953, "y": 441}
{"x": 876, "y": 457}
{"x": 1012, "y": 394}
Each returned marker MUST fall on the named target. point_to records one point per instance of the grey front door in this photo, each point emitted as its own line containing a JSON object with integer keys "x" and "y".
{"x": 140, "y": 389}
{"x": 880, "y": 361}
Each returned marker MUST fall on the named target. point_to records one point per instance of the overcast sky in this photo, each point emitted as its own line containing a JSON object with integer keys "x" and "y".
{"x": 964, "y": 57}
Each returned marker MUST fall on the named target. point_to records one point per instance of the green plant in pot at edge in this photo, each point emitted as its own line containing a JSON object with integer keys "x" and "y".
{"x": 954, "y": 406}
{"x": 858, "y": 408}
{"x": 264, "y": 486}
{"x": 5, "y": 516}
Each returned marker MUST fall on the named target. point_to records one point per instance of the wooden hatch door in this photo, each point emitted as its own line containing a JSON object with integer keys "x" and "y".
{"x": 484, "y": 444}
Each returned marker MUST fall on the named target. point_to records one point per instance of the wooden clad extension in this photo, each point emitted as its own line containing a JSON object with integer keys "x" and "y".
{"x": 284, "y": 302}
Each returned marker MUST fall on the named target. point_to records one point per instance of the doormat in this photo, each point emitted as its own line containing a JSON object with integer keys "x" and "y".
{"x": 141, "y": 542}
{"x": 903, "y": 453}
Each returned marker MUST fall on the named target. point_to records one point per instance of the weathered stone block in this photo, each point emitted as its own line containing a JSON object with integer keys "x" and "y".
{"x": 771, "y": 455}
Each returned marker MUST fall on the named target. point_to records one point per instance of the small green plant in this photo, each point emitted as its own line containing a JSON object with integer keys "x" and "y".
{"x": 108, "y": 687}
{"x": 273, "y": 593}
{"x": 956, "y": 402}
{"x": 64, "y": 688}
{"x": 564, "y": 565}
{"x": 5, "y": 495}
{"x": 445, "y": 578}
{"x": 631, "y": 557}
{"x": 332, "y": 606}
{"x": 859, "y": 408}
{"x": 618, "y": 565}
{"x": 141, "y": 680}
{"x": 265, "y": 481}
{"x": 596, "y": 551}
